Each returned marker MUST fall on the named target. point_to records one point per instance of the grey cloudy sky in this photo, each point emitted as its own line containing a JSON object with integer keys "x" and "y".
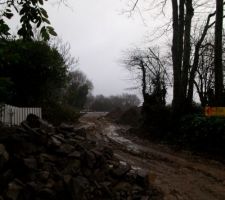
{"x": 98, "y": 33}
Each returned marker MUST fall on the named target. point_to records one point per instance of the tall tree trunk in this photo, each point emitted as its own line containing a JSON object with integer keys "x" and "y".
{"x": 176, "y": 60}
{"x": 180, "y": 41}
{"x": 143, "y": 80}
{"x": 187, "y": 48}
{"x": 218, "y": 54}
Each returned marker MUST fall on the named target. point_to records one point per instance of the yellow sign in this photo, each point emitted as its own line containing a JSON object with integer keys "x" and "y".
{"x": 215, "y": 111}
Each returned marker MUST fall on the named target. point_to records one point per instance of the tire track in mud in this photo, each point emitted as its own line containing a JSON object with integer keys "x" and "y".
{"x": 178, "y": 175}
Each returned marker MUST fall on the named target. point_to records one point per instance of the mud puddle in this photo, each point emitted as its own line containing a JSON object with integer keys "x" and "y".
{"x": 178, "y": 175}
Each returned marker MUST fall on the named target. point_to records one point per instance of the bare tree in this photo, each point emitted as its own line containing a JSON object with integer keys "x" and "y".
{"x": 130, "y": 100}
{"x": 198, "y": 44}
{"x": 102, "y": 103}
{"x": 65, "y": 50}
{"x": 185, "y": 64}
{"x": 134, "y": 63}
{"x": 150, "y": 71}
{"x": 204, "y": 81}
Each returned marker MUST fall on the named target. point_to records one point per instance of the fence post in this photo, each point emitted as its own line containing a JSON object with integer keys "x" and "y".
{"x": 11, "y": 117}
{"x": 1, "y": 112}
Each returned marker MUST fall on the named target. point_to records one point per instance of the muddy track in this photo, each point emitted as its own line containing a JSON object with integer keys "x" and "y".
{"x": 179, "y": 175}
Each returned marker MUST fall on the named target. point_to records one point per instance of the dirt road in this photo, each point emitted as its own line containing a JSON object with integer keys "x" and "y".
{"x": 179, "y": 175}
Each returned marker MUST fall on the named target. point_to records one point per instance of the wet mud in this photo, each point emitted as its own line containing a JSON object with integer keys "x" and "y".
{"x": 179, "y": 175}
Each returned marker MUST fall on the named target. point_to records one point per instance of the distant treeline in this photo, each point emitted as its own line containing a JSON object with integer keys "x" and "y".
{"x": 102, "y": 103}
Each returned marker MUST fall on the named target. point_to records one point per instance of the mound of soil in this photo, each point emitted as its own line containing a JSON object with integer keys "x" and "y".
{"x": 115, "y": 114}
{"x": 42, "y": 162}
{"x": 130, "y": 117}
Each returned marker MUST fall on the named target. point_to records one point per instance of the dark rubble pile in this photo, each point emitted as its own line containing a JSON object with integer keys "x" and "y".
{"x": 41, "y": 162}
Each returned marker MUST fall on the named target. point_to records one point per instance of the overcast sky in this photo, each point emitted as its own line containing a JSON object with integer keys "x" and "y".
{"x": 98, "y": 33}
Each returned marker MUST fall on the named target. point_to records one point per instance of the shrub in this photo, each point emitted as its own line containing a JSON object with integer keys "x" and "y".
{"x": 203, "y": 133}
{"x": 130, "y": 117}
{"x": 58, "y": 113}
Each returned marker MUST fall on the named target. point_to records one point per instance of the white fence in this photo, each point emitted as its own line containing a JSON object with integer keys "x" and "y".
{"x": 11, "y": 115}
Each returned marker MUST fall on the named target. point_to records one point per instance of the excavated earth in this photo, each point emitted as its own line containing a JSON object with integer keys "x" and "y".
{"x": 178, "y": 175}
{"x": 42, "y": 162}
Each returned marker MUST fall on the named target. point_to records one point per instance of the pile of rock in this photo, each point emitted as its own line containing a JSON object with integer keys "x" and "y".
{"x": 42, "y": 162}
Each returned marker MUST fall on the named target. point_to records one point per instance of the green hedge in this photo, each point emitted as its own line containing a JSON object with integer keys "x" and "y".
{"x": 203, "y": 133}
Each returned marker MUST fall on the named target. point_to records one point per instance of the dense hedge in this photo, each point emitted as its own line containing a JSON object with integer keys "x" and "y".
{"x": 195, "y": 132}
{"x": 203, "y": 133}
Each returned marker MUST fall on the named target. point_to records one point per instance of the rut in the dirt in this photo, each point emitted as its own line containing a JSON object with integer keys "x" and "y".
{"x": 179, "y": 175}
